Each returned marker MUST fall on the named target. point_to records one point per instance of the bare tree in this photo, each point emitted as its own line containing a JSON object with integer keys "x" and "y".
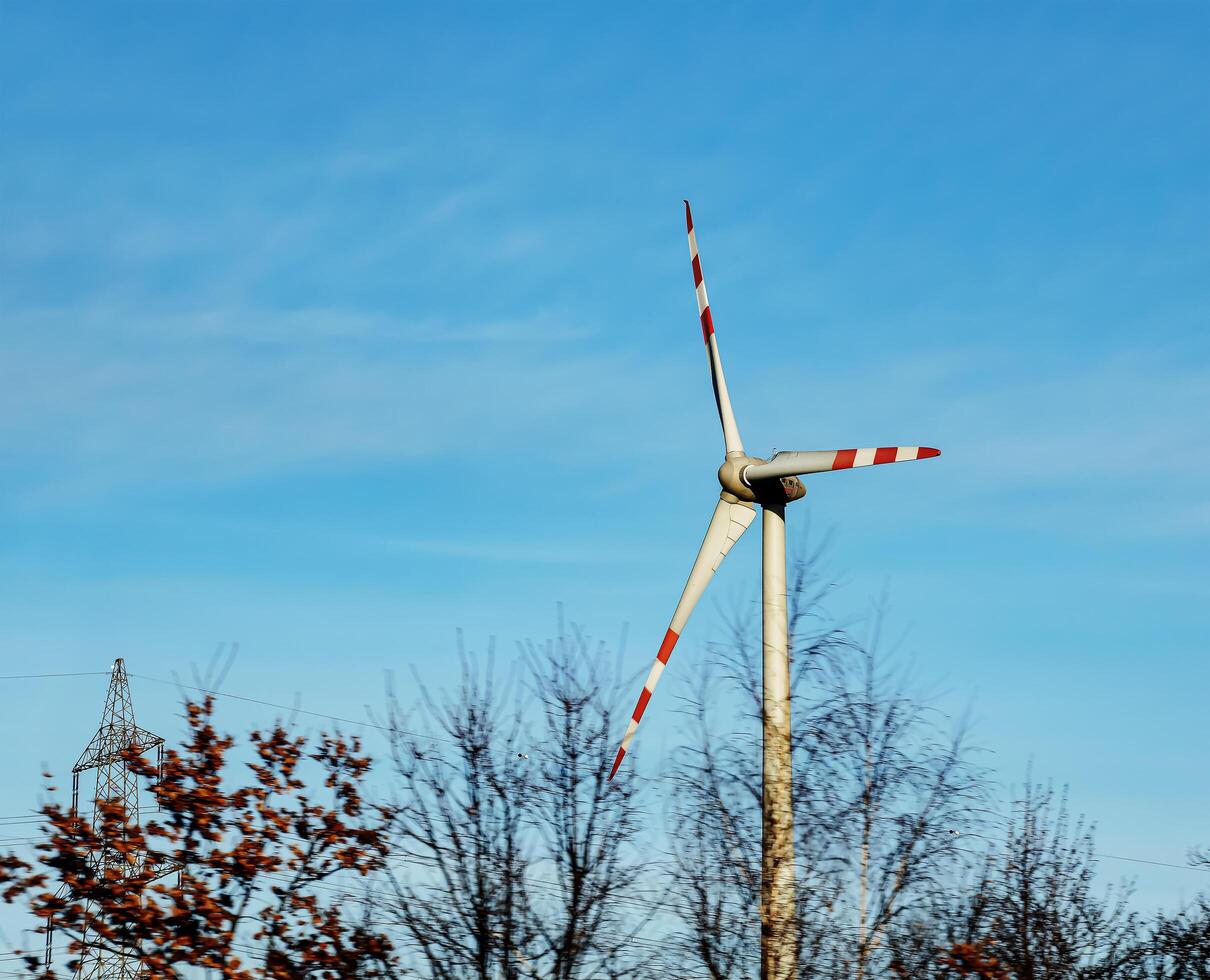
{"x": 883, "y": 800}
{"x": 715, "y": 842}
{"x": 1034, "y": 908}
{"x": 907, "y": 798}
{"x": 589, "y": 826}
{"x": 715, "y": 808}
{"x": 1179, "y": 946}
{"x": 1040, "y": 903}
{"x": 460, "y": 894}
{"x": 522, "y": 855}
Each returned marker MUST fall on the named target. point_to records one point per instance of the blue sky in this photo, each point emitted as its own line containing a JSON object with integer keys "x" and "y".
{"x": 331, "y": 328}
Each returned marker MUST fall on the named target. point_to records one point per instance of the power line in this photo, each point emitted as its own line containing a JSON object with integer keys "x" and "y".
{"x": 294, "y": 709}
{"x": 1160, "y": 864}
{"x": 35, "y": 817}
{"x": 79, "y": 673}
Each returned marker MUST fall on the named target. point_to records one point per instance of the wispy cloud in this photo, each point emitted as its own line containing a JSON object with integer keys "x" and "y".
{"x": 1116, "y": 445}
{"x": 295, "y": 328}
{"x": 1123, "y": 415}
{"x": 109, "y": 398}
{"x": 101, "y": 397}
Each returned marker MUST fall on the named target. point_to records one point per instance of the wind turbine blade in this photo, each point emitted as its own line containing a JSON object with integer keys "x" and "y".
{"x": 730, "y": 521}
{"x": 722, "y": 399}
{"x": 823, "y": 461}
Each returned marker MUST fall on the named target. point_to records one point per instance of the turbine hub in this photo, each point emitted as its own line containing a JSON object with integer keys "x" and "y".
{"x": 781, "y": 491}
{"x": 731, "y": 476}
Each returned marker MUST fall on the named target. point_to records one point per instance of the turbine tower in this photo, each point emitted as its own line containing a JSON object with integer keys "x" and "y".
{"x": 773, "y": 483}
{"x": 116, "y": 783}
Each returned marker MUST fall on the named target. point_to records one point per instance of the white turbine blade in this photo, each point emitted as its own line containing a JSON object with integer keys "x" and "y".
{"x": 721, "y": 398}
{"x": 728, "y": 524}
{"x": 822, "y": 461}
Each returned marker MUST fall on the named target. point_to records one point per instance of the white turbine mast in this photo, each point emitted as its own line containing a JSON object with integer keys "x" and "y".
{"x": 747, "y": 481}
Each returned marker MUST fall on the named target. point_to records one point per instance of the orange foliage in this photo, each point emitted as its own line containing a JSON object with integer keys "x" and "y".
{"x": 972, "y": 960}
{"x": 230, "y": 880}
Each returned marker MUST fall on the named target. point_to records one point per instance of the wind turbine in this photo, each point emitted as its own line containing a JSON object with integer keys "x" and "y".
{"x": 747, "y": 481}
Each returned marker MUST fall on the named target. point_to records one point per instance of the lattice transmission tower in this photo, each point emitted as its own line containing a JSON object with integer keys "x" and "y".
{"x": 107, "y": 753}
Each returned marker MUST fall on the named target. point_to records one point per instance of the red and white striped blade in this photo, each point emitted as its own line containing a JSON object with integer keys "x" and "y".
{"x": 721, "y": 398}
{"x": 823, "y": 461}
{"x": 728, "y": 524}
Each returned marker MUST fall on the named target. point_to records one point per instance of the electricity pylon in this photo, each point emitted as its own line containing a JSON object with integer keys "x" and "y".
{"x": 108, "y": 753}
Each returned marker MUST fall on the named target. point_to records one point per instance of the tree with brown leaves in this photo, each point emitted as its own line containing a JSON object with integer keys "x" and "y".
{"x": 258, "y": 874}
